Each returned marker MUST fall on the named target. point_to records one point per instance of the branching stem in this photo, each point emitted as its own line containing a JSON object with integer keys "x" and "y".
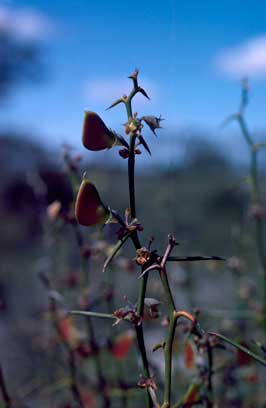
{"x": 135, "y": 239}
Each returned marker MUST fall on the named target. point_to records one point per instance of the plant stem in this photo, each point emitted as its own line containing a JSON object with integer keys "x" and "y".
{"x": 139, "y": 329}
{"x": 73, "y": 377}
{"x": 210, "y": 373}
{"x": 167, "y": 290}
{"x": 136, "y": 242}
{"x": 70, "y": 357}
{"x": 93, "y": 314}
{"x": 168, "y": 350}
{"x": 118, "y": 373}
{"x": 74, "y": 180}
{"x": 89, "y": 325}
{"x": 115, "y": 249}
{"x": 259, "y": 227}
{"x": 5, "y": 394}
{"x": 131, "y": 175}
{"x": 240, "y": 347}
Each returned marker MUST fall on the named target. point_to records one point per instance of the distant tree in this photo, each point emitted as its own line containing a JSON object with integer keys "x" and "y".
{"x": 19, "y": 61}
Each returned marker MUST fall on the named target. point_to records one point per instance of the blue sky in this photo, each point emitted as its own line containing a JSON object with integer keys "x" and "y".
{"x": 191, "y": 55}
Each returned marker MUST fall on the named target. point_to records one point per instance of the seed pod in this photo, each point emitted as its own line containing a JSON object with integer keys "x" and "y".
{"x": 89, "y": 209}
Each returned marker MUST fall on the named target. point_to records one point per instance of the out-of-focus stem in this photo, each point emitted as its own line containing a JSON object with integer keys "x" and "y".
{"x": 70, "y": 357}
{"x": 90, "y": 328}
{"x": 74, "y": 180}
{"x": 238, "y": 346}
{"x": 5, "y": 394}
{"x": 255, "y": 195}
{"x": 118, "y": 368}
{"x": 209, "y": 402}
{"x": 73, "y": 377}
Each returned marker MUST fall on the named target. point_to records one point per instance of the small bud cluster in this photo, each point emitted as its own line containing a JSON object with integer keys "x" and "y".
{"x": 127, "y": 313}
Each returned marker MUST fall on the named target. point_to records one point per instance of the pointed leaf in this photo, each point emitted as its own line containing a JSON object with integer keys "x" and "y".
{"x": 143, "y": 142}
{"x": 115, "y": 103}
{"x": 194, "y": 258}
{"x": 141, "y": 90}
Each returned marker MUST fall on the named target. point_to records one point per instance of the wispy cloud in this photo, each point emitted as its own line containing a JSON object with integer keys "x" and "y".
{"x": 24, "y": 23}
{"x": 107, "y": 90}
{"x": 246, "y": 60}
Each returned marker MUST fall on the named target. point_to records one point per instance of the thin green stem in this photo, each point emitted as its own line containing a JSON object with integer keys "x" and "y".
{"x": 93, "y": 314}
{"x": 254, "y": 174}
{"x": 142, "y": 292}
{"x": 89, "y": 324}
{"x": 118, "y": 372}
{"x": 255, "y": 193}
{"x": 181, "y": 403}
{"x": 141, "y": 344}
{"x": 115, "y": 250}
{"x": 167, "y": 290}
{"x": 131, "y": 175}
{"x": 136, "y": 242}
{"x": 240, "y": 347}
{"x": 128, "y": 108}
{"x": 70, "y": 357}
{"x": 244, "y": 129}
{"x": 168, "y": 351}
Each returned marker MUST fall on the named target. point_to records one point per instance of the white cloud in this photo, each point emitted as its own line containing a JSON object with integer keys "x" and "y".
{"x": 104, "y": 91}
{"x": 246, "y": 60}
{"x": 23, "y": 23}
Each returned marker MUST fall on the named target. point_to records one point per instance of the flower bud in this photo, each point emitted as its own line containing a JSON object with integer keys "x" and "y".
{"x": 124, "y": 153}
{"x": 53, "y": 210}
{"x": 89, "y": 209}
{"x": 143, "y": 256}
{"x": 96, "y": 136}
